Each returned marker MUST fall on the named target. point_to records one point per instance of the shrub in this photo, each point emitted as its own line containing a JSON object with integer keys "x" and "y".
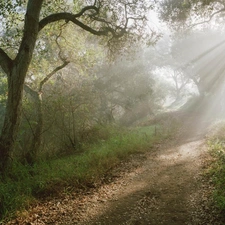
{"x": 216, "y": 143}
{"x": 25, "y": 183}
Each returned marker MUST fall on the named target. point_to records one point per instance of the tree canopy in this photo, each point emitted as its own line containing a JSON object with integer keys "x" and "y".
{"x": 25, "y": 27}
{"x": 191, "y": 12}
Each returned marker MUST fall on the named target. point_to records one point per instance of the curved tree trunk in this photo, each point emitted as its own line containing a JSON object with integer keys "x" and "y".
{"x": 16, "y": 73}
{"x": 12, "y": 119}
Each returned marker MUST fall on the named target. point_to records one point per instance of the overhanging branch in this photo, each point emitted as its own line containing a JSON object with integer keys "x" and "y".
{"x": 103, "y": 31}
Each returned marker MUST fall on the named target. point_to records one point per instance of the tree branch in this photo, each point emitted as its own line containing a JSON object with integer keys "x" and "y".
{"x": 65, "y": 16}
{"x": 5, "y": 62}
{"x": 210, "y": 18}
{"x": 60, "y": 55}
{"x": 103, "y": 31}
{"x": 86, "y": 9}
{"x": 51, "y": 74}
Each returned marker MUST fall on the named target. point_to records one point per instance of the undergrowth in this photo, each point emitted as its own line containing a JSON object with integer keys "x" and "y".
{"x": 216, "y": 145}
{"x": 24, "y": 184}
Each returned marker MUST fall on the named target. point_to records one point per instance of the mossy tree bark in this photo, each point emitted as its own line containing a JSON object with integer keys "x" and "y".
{"x": 16, "y": 70}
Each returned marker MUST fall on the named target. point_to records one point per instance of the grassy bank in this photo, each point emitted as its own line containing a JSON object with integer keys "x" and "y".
{"x": 216, "y": 145}
{"x": 25, "y": 184}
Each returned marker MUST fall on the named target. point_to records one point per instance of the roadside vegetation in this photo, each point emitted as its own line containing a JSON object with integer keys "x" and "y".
{"x": 25, "y": 184}
{"x": 216, "y": 171}
{"x": 96, "y": 82}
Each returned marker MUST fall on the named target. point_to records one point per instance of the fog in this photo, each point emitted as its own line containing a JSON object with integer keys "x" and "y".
{"x": 180, "y": 71}
{"x": 193, "y": 67}
{"x": 183, "y": 71}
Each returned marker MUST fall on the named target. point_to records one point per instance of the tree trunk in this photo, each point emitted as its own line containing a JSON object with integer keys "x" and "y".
{"x": 37, "y": 96}
{"x": 32, "y": 151}
{"x": 16, "y": 77}
{"x": 12, "y": 117}
{"x": 36, "y": 143}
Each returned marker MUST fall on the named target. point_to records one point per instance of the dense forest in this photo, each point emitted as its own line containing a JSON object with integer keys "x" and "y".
{"x": 84, "y": 84}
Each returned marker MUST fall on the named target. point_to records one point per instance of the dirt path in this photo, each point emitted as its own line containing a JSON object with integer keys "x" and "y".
{"x": 163, "y": 186}
{"x": 160, "y": 191}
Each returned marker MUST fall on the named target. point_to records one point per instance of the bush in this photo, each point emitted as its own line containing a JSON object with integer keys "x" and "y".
{"x": 25, "y": 183}
{"x": 216, "y": 143}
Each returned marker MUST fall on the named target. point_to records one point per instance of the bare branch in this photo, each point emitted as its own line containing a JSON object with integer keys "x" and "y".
{"x": 125, "y": 11}
{"x": 63, "y": 58}
{"x": 51, "y": 74}
{"x": 5, "y": 62}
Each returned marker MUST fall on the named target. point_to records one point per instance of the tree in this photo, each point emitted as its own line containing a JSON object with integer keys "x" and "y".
{"x": 101, "y": 18}
{"x": 37, "y": 96}
{"x": 199, "y": 57}
{"x": 191, "y": 13}
{"x": 126, "y": 91}
{"x": 207, "y": 68}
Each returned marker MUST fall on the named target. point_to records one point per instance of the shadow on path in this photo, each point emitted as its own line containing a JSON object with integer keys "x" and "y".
{"x": 158, "y": 193}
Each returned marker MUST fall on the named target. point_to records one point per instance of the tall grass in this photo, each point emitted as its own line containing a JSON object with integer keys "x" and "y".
{"x": 216, "y": 172}
{"x": 24, "y": 183}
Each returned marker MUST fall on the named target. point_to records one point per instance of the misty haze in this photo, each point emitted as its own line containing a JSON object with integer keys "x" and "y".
{"x": 112, "y": 112}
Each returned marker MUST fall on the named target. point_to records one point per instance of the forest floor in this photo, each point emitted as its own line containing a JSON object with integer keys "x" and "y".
{"x": 165, "y": 185}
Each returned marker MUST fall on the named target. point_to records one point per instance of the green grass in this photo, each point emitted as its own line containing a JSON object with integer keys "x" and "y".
{"x": 24, "y": 184}
{"x": 216, "y": 144}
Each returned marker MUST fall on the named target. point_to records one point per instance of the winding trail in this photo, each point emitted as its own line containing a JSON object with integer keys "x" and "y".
{"x": 160, "y": 191}
{"x": 162, "y": 186}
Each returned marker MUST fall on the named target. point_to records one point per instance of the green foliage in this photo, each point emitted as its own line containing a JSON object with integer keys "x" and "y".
{"x": 16, "y": 189}
{"x": 25, "y": 183}
{"x": 175, "y": 10}
{"x": 216, "y": 145}
{"x": 191, "y": 12}
{"x": 125, "y": 87}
